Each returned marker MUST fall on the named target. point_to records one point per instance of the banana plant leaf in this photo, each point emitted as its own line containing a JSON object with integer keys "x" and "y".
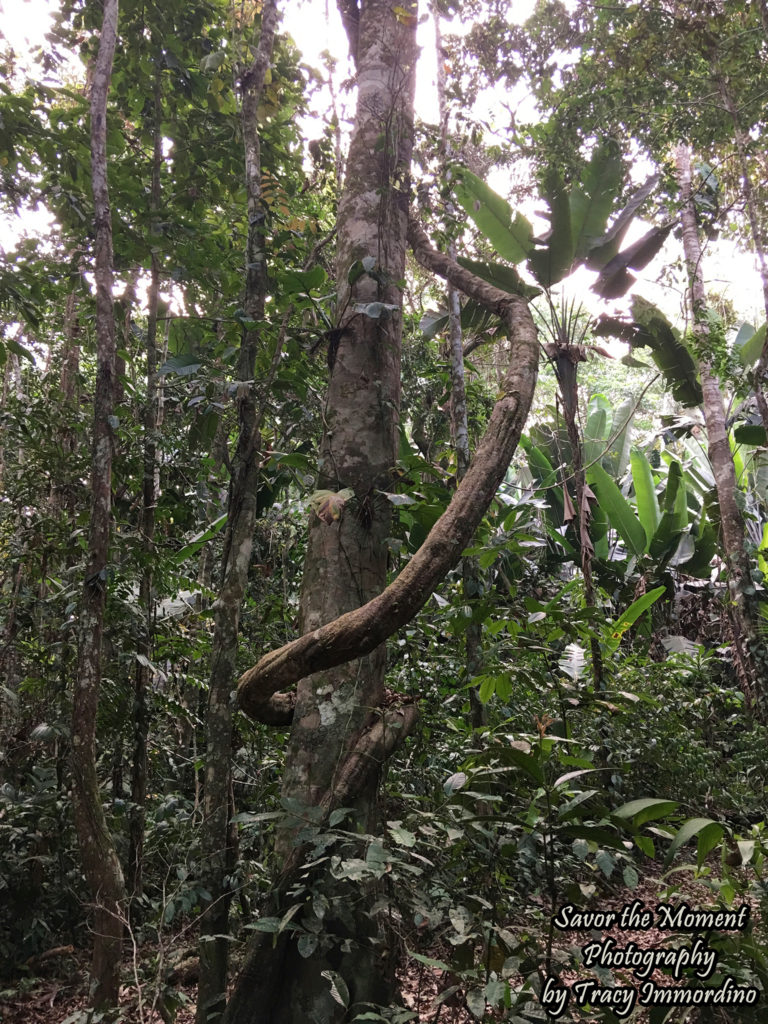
{"x": 650, "y": 328}
{"x": 603, "y": 251}
{"x": 674, "y": 516}
{"x": 501, "y": 276}
{"x": 510, "y": 234}
{"x": 645, "y": 495}
{"x": 617, "y": 509}
{"x": 592, "y": 199}
{"x": 553, "y": 263}
{"x": 615, "y": 279}
{"x": 748, "y": 344}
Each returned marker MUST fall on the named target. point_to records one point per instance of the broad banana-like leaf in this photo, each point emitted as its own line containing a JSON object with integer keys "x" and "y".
{"x": 674, "y": 517}
{"x": 501, "y": 276}
{"x": 617, "y": 456}
{"x": 705, "y": 542}
{"x": 618, "y": 510}
{"x": 751, "y": 434}
{"x": 651, "y": 328}
{"x": 603, "y": 252}
{"x": 592, "y": 199}
{"x": 748, "y": 346}
{"x": 614, "y": 279}
{"x": 645, "y": 495}
{"x": 552, "y": 264}
{"x": 595, "y": 433}
{"x": 510, "y": 235}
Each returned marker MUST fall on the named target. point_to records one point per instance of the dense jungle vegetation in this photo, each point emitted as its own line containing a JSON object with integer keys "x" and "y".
{"x": 384, "y": 513}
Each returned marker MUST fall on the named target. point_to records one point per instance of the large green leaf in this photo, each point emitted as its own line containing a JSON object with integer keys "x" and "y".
{"x": 749, "y": 346}
{"x": 592, "y": 199}
{"x": 501, "y": 276}
{"x": 674, "y": 516}
{"x": 553, "y": 263}
{"x": 618, "y": 510}
{"x": 617, "y": 456}
{"x": 645, "y": 495}
{"x": 709, "y": 832}
{"x": 645, "y": 809}
{"x": 650, "y": 328}
{"x": 603, "y": 251}
{"x": 511, "y": 236}
{"x": 614, "y": 279}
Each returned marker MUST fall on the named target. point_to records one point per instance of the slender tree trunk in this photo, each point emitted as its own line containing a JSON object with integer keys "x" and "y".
{"x": 470, "y": 572}
{"x": 218, "y": 852}
{"x": 100, "y": 862}
{"x": 143, "y": 679}
{"x": 742, "y": 148}
{"x": 719, "y": 449}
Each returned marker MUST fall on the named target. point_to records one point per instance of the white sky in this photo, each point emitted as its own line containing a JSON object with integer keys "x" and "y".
{"x": 316, "y": 27}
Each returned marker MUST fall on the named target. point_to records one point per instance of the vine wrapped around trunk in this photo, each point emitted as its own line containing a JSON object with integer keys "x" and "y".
{"x": 360, "y": 631}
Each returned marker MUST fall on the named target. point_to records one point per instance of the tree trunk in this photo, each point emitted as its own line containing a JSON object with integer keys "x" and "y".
{"x": 148, "y": 502}
{"x": 346, "y": 561}
{"x": 218, "y": 852}
{"x": 719, "y": 449}
{"x": 100, "y": 863}
{"x": 471, "y": 577}
{"x": 742, "y": 148}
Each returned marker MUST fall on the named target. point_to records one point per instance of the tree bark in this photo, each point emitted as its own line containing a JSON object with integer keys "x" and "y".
{"x": 471, "y": 577}
{"x": 100, "y": 862}
{"x": 742, "y": 148}
{"x": 148, "y": 503}
{"x": 718, "y": 446}
{"x": 217, "y": 848}
{"x": 346, "y": 560}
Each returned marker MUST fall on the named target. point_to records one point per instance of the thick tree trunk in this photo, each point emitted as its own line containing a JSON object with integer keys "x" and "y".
{"x": 218, "y": 851}
{"x": 100, "y": 862}
{"x": 347, "y": 556}
{"x": 719, "y": 449}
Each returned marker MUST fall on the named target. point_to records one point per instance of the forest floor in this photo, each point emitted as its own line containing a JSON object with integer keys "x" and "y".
{"x": 57, "y": 992}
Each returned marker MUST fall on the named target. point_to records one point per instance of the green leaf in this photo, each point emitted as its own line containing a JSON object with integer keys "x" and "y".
{"x": 748, "y": 344}
{"x": 645, "y": 495}
{"x": 339, "y": 989}
{"x": 710, "y": 833}
{"x": 592, "y": 200}
{"x": 618, "y": 510}
{"x": 631, "y": 615}
{"x": 527, "y": 763}
{"x": 674, "y": 516}
{"x": 751, "y": 434}
{"x": 292, "y": 281}
{"x": 500, "y": 276}
{"x": 511, "y": 236}
{"x": 194, "y": 545}
{"x": 645, "y": 809}
{"x": 553, "y": 263}
{"x": 183, "y": 365}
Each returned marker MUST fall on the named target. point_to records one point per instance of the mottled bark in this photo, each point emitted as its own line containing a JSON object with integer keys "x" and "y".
{"x": 100, "y": 862}
{"x": 718, "y": 447}
{"x": 217, "y": 848}
{"x": 347, "y": 558}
